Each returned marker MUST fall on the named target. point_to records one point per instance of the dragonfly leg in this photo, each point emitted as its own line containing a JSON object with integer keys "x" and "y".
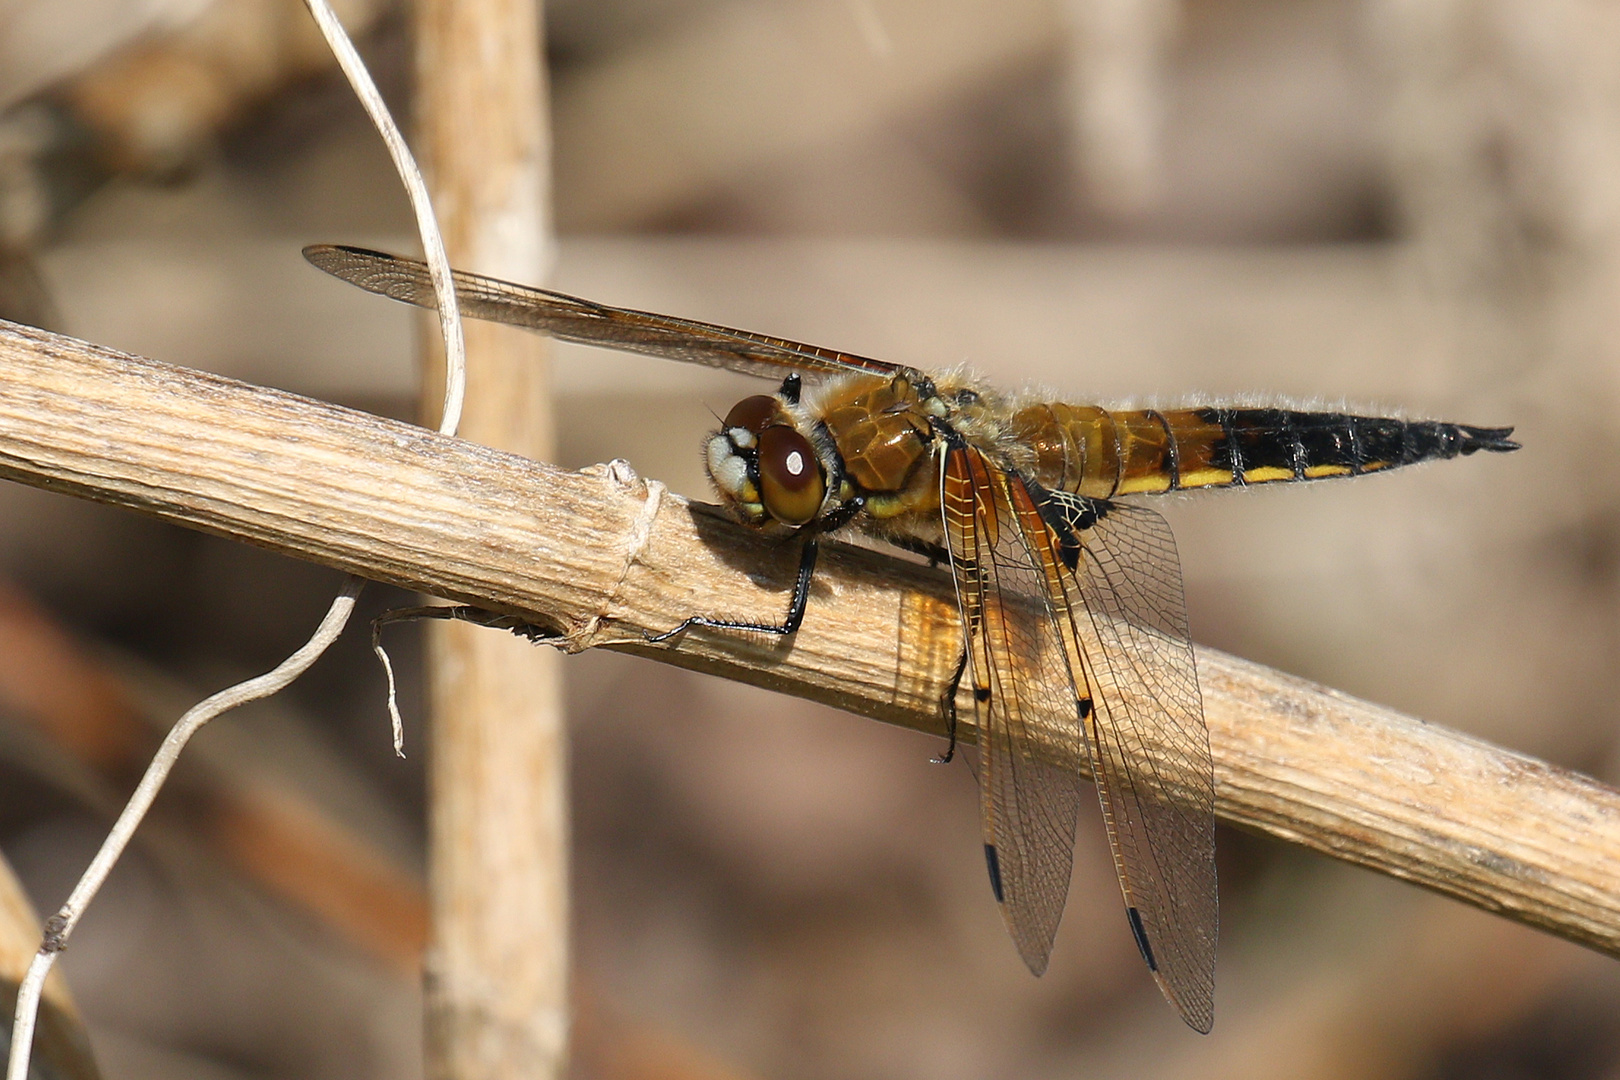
{"x": 947, "y": 707}
{"x": 839, "y": 516}
{"x": 935, "y": 554}
{"x": 469, "y": 613}
{"x": 788, "y": 626}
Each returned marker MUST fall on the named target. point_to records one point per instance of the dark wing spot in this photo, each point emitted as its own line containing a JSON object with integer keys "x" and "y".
{"x": 981, "y": 693}
{"x": 991, "y": 861}
{"x": 1141, "y": 938}
{"x": 1085, "y": 706}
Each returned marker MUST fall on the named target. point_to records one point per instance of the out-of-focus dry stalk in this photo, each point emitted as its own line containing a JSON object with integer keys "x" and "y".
{"x": 62, "y": 1048}
{"x": 498, "y": 809}
{"x": 168, "y": 85}
{"x": 665, "y": 123}
{"x": 1117, "y": 56}
{"x": 600, "y": 558}
{"x": 47, "y": 681}
{"x": 1436, "y": 979}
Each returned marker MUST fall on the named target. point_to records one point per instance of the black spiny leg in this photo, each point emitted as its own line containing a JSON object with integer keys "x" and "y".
{"x": 836, "y": 518}
{"x": 947, "y": 706}
{"x": 935, "y": 553}
{"x": 795, "y": 612}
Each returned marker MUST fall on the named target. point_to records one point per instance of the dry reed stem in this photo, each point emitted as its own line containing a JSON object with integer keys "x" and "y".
{"x": 63, "y": 1044}
{"x": 600, "y": 558}
{"x": 497, "y": 983}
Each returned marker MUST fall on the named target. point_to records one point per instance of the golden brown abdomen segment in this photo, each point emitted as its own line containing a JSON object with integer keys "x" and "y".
{"x": 1100, "y": 453}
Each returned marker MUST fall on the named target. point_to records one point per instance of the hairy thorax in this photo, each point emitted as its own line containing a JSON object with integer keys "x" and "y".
{"x": 888, "y": 438}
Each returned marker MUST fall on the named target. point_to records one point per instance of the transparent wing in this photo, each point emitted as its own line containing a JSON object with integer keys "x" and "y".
{"x": 1029, "y": 725}
{"x": 1127, "y": 623}
{"x": 572, "y": 319}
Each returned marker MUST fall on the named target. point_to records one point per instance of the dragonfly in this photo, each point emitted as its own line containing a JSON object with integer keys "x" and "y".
{"x": 1075, "y": 641}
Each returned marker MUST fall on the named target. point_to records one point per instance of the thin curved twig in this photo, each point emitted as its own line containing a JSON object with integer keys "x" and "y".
{"x": 59, "y": 927}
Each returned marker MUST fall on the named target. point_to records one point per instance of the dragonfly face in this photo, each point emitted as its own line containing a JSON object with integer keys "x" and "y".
{"x": 852, "y": 449}
{"x": 1075, "y": 643}
{"x": 765, "y": 468}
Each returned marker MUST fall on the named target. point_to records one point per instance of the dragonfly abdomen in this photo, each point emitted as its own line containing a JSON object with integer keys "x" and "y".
{"x": 1101, "y": 453}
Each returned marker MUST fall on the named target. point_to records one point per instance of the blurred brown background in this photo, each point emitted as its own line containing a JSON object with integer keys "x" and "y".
{"x": 1406, "y": 204}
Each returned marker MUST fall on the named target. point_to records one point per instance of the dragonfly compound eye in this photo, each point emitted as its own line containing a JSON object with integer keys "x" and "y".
{"x": 753, "y": 414}
{"x": 790, "y": 477}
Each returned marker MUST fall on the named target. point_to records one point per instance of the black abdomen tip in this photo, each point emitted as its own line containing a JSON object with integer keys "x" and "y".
{"x": 1494, "y": 439}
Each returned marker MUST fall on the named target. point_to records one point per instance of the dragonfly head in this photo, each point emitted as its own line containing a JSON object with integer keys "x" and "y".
{"x": 763, "y": 466}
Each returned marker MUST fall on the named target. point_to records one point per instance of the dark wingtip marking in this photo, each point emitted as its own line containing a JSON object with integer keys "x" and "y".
{"x": 1141, "y": 938}
{"x": 994, "y": 863}
{"x": 1494, "y": 439}
{"x": 981, "y": 693}
{"x": 1085, "y": 706}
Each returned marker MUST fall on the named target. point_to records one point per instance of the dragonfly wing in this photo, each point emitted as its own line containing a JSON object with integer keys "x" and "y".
{"x": 1029, "y": 726}
{"x": 572, "y": 319}
{"x": 1149, "y": 745}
